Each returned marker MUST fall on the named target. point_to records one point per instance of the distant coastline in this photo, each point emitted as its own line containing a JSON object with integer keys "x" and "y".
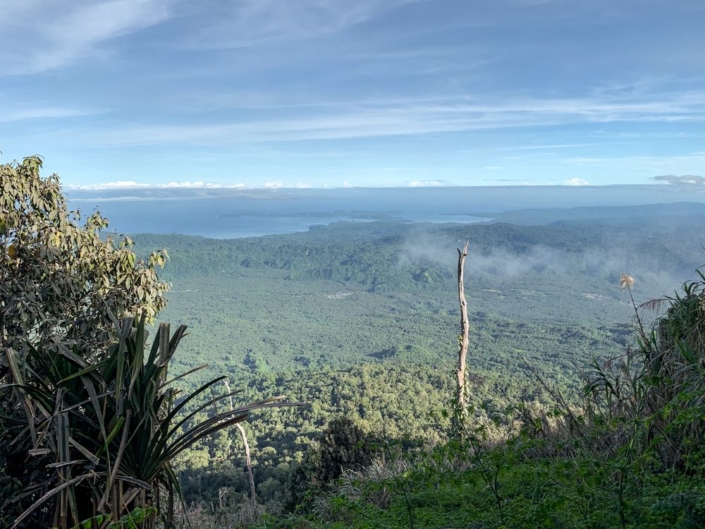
{"x": 225, "y": 214}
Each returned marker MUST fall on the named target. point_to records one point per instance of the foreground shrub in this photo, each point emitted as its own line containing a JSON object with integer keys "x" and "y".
{"x": 106, "y": 431}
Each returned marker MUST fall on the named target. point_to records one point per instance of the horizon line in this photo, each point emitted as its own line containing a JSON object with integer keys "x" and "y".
{"x": 271, "y": 188}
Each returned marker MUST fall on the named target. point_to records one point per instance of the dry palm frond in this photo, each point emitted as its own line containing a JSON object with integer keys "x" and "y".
{"x": 655, "y": 305}
{"x": 626, "y": 281}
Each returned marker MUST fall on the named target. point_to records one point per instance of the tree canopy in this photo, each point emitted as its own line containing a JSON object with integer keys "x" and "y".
{"x": 59, "y": 279}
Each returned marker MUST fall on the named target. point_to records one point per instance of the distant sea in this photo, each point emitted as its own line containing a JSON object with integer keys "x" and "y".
{"x": 234, "y": 213}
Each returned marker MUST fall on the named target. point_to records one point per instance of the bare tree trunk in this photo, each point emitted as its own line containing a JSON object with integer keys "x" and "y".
{"x": 248, "y": 461}
{"x": 463, "y": 339}
{"x": 253, "y": 493}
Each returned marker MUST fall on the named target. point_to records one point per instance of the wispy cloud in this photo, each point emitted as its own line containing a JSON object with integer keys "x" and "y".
{"x": 642, "y": 162}
{"x": 545, "y": 147}
{"x": 412, "y": 118}
{"x": 323, "y": 91}
{"x": 245, "y": 23}
{"x": 16, "y": 113}
{"x": 41, "y": 35}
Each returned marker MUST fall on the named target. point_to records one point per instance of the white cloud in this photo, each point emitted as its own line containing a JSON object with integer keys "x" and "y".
{"x": 576, "y": 182}
{"x": 193, "y": 185}
{"x": 131, "y": 184}
{"x": 274, "y": 185}
{"x": 120, "y": 184}
{"x": 44, "y": 35}
{"x": 425, "y": 183}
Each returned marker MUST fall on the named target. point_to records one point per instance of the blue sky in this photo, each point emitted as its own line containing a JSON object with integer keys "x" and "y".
{"x": 314, "y": 93}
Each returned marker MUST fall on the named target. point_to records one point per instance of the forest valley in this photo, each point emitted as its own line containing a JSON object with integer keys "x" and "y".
{"x": 308, "y": 380}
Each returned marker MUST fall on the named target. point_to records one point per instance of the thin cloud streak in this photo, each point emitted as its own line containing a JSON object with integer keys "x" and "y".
{"x": 412, "y": 119}
{"x": 693, "y": 157}
{"x": 44, "y": 113}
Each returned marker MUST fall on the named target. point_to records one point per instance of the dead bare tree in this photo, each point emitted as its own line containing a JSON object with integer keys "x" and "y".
{"x": 248, "y": 461}
{"x": 463, "y": 339}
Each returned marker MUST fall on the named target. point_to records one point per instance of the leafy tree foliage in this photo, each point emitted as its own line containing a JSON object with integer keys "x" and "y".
{"x": 60, "y": 280}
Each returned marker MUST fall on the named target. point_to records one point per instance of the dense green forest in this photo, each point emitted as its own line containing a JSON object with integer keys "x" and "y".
{"x": 361, "y": 320}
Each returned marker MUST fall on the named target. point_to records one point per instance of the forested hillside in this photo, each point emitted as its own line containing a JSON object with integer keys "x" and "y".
{"x": 361, "y": 320}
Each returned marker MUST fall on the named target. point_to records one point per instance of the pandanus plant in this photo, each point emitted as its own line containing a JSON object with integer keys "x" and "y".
{"x": 100, "y": 435}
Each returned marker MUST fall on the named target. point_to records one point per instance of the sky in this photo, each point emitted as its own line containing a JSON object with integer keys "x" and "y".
{"x": 347, "y": 93}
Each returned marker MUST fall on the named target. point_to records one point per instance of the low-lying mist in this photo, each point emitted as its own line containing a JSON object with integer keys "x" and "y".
{"x": 655, "y": 268}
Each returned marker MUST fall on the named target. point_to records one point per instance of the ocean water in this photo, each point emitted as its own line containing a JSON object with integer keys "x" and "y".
{"x": 233, "y": 213}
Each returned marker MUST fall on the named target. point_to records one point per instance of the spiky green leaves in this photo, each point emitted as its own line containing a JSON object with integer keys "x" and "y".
{"x": 108, "y": 429}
